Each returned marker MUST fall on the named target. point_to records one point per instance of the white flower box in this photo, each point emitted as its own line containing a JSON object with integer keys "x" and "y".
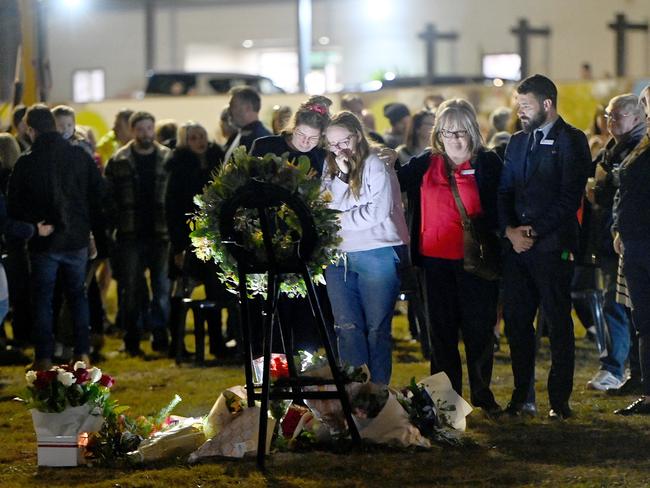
{"x": 60, "y": 450}
{"x": 58, "y": 434}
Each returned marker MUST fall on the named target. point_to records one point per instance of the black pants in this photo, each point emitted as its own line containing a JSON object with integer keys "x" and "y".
{"x": 460, "y": 301}
{"x": 637, "y": 274}
{"x": 533, "y": 279}
{"x": 17, "y": 268}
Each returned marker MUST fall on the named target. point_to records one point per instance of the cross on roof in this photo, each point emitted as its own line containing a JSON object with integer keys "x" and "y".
{"x": 620, "y": 26}
{"x": 523, "y": 31}
{"x": 430, "y": 35}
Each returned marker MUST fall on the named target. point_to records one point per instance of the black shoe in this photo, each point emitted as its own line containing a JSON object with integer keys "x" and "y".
{"x": 134, "y": 352}
{"x": 160, "y": 341}
{"x": 560, "y": 412}
{"x": 185, "y": 355}
{"x": 527, "y": 409}
{"x": 492, "y": 409}
{"x": 631, "y": 386}
{"x": 637, "y": 407}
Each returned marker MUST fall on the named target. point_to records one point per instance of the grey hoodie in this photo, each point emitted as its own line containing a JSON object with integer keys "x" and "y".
{"x": 376, "y": 218}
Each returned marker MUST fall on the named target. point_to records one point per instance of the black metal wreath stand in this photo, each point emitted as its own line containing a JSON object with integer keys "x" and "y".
{"x": 263, "y": 197}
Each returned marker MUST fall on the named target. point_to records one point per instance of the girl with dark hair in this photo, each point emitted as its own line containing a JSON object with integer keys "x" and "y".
{"x": 303, "y": 135}
{"x": 364, "y": 283}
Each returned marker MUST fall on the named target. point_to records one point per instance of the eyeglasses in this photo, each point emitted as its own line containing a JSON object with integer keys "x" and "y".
{"x": 342, "y": 144}
{"x": 453, "y": 134}
{"x": 306, "y": 138}
{"x": 614, "y": 117}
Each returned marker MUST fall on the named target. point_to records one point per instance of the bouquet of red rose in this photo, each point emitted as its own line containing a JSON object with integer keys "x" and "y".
{"x": 66, "y": 386}
{"x": 66, "y": 403}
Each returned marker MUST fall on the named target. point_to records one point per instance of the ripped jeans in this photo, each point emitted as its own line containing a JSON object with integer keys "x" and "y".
{"x": 363, "y": 293}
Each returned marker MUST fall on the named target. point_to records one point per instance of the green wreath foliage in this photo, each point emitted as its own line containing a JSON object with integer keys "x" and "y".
{"x": 296, "y": 176}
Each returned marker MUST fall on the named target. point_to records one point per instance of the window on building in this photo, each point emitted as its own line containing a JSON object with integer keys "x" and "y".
{"x": 506, "y": 66}
{"x": 88, "y": 85}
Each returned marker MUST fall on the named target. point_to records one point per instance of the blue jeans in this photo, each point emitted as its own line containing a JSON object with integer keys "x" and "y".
{"x": 134, "y": 258}
{"x": 72, "y": 266}
{"x": 363, "y": 293}
{"x": 618, "y": 324}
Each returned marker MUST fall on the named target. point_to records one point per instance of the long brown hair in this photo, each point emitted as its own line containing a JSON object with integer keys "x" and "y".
{"x": 351, "y": 123}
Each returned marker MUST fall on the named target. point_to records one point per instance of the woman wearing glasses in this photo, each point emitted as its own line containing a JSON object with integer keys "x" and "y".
{"x": 364, "y": 283}
{"x": 303, "y": 135}
{"x": 456, "y": 299}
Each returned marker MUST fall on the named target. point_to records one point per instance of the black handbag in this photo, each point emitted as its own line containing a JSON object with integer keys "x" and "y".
{"x": 482, "y": 248}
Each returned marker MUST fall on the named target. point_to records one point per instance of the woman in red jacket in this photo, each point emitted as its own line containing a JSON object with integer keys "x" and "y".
{"x": 457, "y": 301}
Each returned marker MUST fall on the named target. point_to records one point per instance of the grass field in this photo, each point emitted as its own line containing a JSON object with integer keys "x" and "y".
{"x": 595, "y": 448}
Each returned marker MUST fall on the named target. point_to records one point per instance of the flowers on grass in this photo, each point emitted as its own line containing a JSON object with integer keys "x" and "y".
{"x": 66, "y": 386}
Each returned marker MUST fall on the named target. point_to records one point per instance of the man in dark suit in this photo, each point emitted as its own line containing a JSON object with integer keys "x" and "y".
{"x": 546, "y": 168}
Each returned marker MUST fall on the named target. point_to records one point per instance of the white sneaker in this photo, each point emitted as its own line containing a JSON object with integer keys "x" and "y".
{"x": 604, "y": 380}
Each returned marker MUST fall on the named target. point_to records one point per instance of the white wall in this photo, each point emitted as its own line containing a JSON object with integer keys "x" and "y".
{"x": 81, "y": 40}
{"x": 113, "y": 38}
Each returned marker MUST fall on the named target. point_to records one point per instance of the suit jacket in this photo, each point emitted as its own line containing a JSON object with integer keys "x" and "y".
{"x": 548, "y": 196}
{"x": 488, "y": 168}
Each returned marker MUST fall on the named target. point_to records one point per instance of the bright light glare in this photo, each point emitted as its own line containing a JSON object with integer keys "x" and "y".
{"x": 323, "y": 41}
{"x": 315, "y": 83}
{"x": 373, "y": 85}
{"x": 378, "y": 10}
{"x": 247, "y": 43}
{"x": 72, "y": 3}
{"x": 498, "y": 82}
{"x": 389, "y": 75}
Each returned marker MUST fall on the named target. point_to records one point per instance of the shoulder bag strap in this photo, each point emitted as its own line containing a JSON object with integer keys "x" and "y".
{"x": 454, "y": 191}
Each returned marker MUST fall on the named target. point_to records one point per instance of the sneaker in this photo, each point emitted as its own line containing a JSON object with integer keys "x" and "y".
{"x": 603, "y": 381}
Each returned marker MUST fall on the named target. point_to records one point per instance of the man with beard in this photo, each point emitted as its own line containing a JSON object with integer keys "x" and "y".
{"x": 136, "y": 185}
{"x": 546, "y": 168}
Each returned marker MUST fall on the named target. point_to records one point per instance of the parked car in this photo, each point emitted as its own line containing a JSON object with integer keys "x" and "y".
{"x": 183, "y": 83}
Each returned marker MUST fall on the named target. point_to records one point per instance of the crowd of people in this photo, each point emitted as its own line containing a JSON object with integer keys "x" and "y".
{"x": 566, "y": 210}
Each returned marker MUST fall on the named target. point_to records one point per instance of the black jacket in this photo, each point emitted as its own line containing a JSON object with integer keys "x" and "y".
{"x": 488, "y": 168}
{"x": 278, "y": 145}
{"x": 610, "y": 159}
{"x": 249, "y": 134}
{"x": 549, "y": 196}
{"x": 186, "y": 179}
{"x": 631, "y": 207}
{"x": 13, "y": 229}
{"x": 60, "y": 184}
